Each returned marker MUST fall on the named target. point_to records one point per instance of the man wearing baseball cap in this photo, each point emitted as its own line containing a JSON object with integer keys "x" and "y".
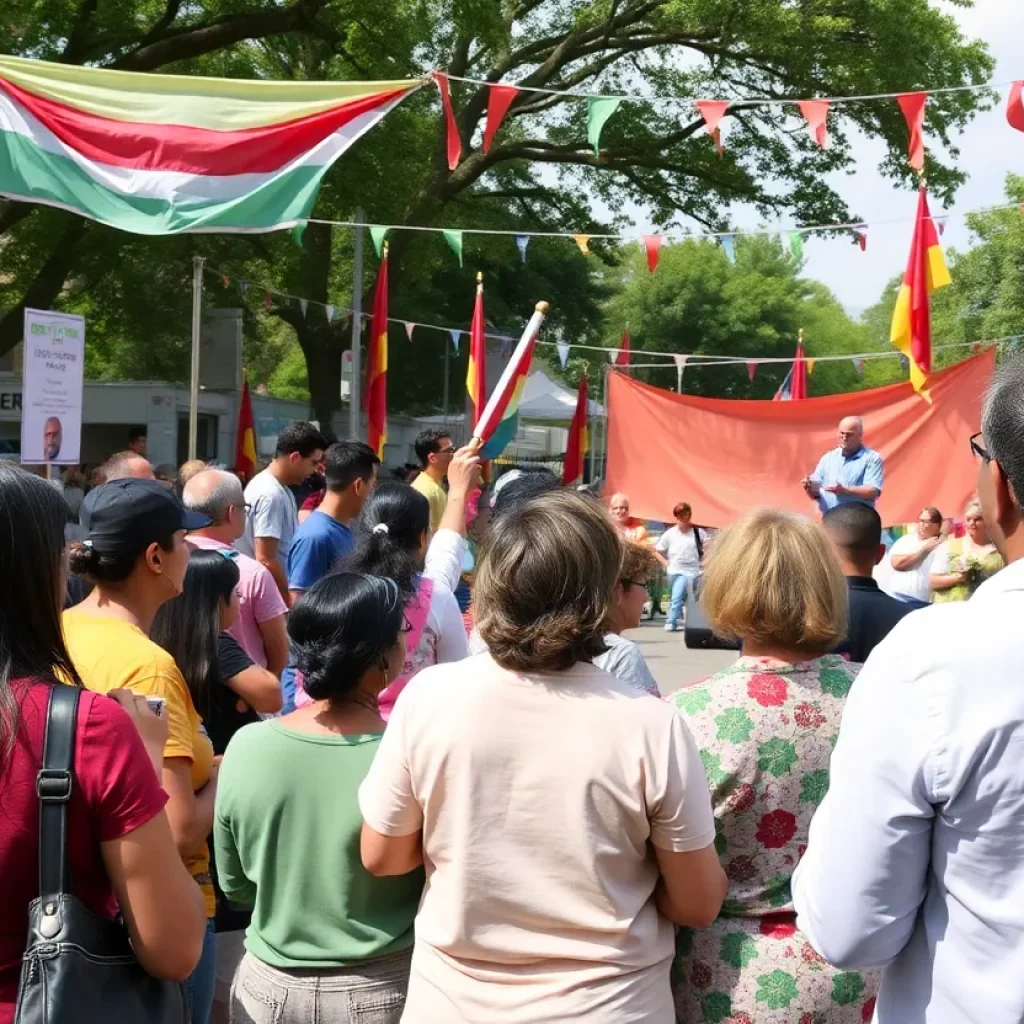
{"x": 135, "y": 556}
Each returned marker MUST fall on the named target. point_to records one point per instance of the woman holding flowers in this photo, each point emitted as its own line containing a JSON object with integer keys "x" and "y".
{"x": 962, "y": 564}
{"x": 765, "y": 729}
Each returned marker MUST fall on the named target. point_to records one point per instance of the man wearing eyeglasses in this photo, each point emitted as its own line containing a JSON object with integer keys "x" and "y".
{"x": 915, "y": 862}
{"x": 434, "y": 449}
{"x": 850, "y": 472}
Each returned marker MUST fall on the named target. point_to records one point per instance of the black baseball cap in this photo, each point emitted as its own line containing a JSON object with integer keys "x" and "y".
{"x": 124, "y": 517}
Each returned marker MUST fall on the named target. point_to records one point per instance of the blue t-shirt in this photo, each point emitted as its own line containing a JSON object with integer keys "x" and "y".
{"x": 863, "y": 467}
{"x": 318, "y": 545}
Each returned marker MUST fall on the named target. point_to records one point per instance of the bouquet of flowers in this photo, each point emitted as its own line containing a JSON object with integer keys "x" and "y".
{"x": 970, "y": 568}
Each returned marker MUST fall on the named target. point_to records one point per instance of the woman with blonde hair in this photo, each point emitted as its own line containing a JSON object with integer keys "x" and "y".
{"x": 561, "y": 814}
{"x": 765, "y": 729}
{"x": 962, "y": 564}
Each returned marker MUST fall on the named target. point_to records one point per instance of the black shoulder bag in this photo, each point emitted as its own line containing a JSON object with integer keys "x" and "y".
{"x": 78, "y": 968}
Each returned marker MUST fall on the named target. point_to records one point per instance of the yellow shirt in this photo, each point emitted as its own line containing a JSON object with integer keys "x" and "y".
{"x": 436, "y": 495}
{"x": 110, "y": 654}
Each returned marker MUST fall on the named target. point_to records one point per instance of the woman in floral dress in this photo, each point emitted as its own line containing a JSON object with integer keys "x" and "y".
{"x": 765, "y": 728}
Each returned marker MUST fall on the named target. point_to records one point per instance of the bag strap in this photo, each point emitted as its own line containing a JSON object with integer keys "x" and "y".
{"x": 53, "y": 787}
{"x": 699, "y": 542}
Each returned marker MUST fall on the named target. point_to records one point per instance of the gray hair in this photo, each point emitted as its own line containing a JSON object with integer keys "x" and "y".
{"x": 217, "y": 500}
{"x": 1002, "y": 422}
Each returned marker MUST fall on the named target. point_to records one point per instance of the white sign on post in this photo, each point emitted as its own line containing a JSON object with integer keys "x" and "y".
{"x": 51, "y": 404}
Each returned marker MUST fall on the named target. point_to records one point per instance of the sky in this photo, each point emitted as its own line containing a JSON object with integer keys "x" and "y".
{"x": 988, "y": 149}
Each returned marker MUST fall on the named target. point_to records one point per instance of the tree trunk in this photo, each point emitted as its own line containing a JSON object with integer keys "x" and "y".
{"x": 322, "y": 345}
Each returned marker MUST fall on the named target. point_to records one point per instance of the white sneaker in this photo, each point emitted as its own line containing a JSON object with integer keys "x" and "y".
{"x": 669, "y": 628}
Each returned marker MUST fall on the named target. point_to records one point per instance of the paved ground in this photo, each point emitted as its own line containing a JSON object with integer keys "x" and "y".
{"x": 669, "y": 659}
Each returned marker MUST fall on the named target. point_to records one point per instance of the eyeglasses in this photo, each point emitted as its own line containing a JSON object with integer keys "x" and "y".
{"x": 634, "y": 583}
{"x": 977, "y": 449}
{"x": 450, "y": 450}
{"x": 246, "y": 508}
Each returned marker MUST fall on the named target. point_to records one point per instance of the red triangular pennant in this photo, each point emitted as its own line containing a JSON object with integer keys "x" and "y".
{"x": 499, "y": 99}
{"x": 713, "y": 111}
{"x": 1015, "y": 107}
{"x": 912, "y": 105}
{"x": 454, "y": 142}
{"x": 816, "y": 112}
{"x": 751, "y": 369}
{"x": 652, "y": 243}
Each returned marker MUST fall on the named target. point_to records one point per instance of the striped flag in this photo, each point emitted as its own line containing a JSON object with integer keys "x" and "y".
{"x": 476, "y": 374}
{"x": 795, "y": 384}
{"x": 499, "y": 421}
{"x": 375, "y": 396}
{"x": 579, "y": 438}
{"x": 245, "y": 436}
{"x": 911, "y": 330}
{"x": 163, "y": 154}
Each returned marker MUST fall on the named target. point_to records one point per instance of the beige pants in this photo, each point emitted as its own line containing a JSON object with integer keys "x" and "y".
{"x": 372, "y": 993}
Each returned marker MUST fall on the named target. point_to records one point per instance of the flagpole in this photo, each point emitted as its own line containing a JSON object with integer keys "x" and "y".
{"x": 357, "y": 330}
{"x": 604, "y": 432}
{"x": 197, "y": 327}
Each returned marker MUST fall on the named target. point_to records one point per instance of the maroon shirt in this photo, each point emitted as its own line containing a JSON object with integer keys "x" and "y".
{"x": 114, "y": 792}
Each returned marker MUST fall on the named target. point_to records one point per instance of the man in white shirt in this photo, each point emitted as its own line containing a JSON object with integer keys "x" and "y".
{"x": 915, "y": 863}
{"x": 273, "y": 516}
{"x": 911, "y": 557}
{"x": 680, "y": 549}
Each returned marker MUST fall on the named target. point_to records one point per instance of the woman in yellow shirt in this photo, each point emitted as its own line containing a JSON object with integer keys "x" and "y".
{"x": 135, "y": 557}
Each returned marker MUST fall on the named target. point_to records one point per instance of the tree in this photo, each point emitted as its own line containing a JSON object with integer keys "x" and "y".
{"x": 541, "y": 173}
{"x": 986, "y": 299}
{"x": 700, "y": 304}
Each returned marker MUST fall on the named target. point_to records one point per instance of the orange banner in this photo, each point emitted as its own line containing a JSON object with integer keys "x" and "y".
{"x": 725, "y": 457}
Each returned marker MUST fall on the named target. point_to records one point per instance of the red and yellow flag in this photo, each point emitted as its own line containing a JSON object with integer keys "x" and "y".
{"x": 911, "y": 330}
{"x": 579, "y": 438}
{"x": 245, "y": 436}
{"x": 476, "y": 375}
{"x": 375, "y": 396}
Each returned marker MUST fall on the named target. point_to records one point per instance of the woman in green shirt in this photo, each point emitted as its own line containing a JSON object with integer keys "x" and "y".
{"x": 962, "y": 564}
{"x": 328, "y": 941}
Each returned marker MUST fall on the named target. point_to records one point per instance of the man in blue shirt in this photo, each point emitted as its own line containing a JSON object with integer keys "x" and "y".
{"x": 350, "y": 468}
{"x": 850, "y": 472}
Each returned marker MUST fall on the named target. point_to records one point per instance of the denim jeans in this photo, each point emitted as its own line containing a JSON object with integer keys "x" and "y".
{"x": 199, "y": 984}
{"x": 677, "y": 590}
{"x": 372, "y": 993}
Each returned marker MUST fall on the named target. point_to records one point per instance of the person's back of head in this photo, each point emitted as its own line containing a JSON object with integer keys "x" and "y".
{"x": 299, "y": 439}
{"x": 215, "y": 493}
{"x": 190, "y": 469}
{"x": 1001, "y": 477}
{"x": 428, "y": 443}
{"x": 346, "y": 462}
{"x": 545, "y": 583}
{"x": 771, "y": 579}
{"x": 31, "y": 564}
{"x": 521, "y": 488}
{"x": 855, "y": 530}
{"x": 123, "y": 466}
{"x": 346, "y": 630}
{"x": 391, "y": 535}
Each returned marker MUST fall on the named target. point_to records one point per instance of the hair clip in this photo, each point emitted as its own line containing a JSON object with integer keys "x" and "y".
{"x": 381, "y": 528}
{"x": 87, "y": 544}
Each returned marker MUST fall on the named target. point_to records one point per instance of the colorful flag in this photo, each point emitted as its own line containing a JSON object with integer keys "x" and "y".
{"x": 911, "y": 330}
{"x": 499, "y": 421}
{"x": 476, "y": 374}
{"x": 622, "y": 356}
{"x": 579, "y": 438}
{"x": 164, "y": 154}
{"x": 375, "y": 399}
{"x": 245, "y": 436}
{"x": 795, "y": 385}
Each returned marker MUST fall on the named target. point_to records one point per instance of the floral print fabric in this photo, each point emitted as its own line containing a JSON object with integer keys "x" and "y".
{"x": 765, "y": 731}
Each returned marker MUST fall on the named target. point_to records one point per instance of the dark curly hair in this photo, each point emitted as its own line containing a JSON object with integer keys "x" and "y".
{"x": 545, "y": 582}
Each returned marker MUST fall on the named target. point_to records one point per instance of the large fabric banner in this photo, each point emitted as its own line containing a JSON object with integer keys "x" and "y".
{"x": 725, "y": 457}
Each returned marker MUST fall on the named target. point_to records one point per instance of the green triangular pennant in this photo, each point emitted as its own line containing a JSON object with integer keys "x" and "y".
{"x": 378, "y": 234}
{"x": 796, "y": 244}
{"x": 598, "y": 111}
{"x": 297, "y": 232}
{"x": 454, "y": 240}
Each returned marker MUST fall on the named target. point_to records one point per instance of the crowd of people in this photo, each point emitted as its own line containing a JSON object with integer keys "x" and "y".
{"x": 315, "y": 790}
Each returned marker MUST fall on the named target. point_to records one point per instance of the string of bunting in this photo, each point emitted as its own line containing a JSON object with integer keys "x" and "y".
{"x": 792, "y": 238}
{"x": 270, "y": 295}
{"x": 601, "y": 106}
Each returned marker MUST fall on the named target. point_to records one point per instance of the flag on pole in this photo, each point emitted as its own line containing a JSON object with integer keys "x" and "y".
{"x": 245, "y": 436}
{"x": 579, "y": 438}
{"x": 375, "y": 400}
{"x": 476, "y": 374}
{"x": 795, "y": 385}
{"x": 162, "y": 154}
{"x": 911, "y": 330}
{"x": 499, "y": 421}
{"x": 622, "y": 357}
